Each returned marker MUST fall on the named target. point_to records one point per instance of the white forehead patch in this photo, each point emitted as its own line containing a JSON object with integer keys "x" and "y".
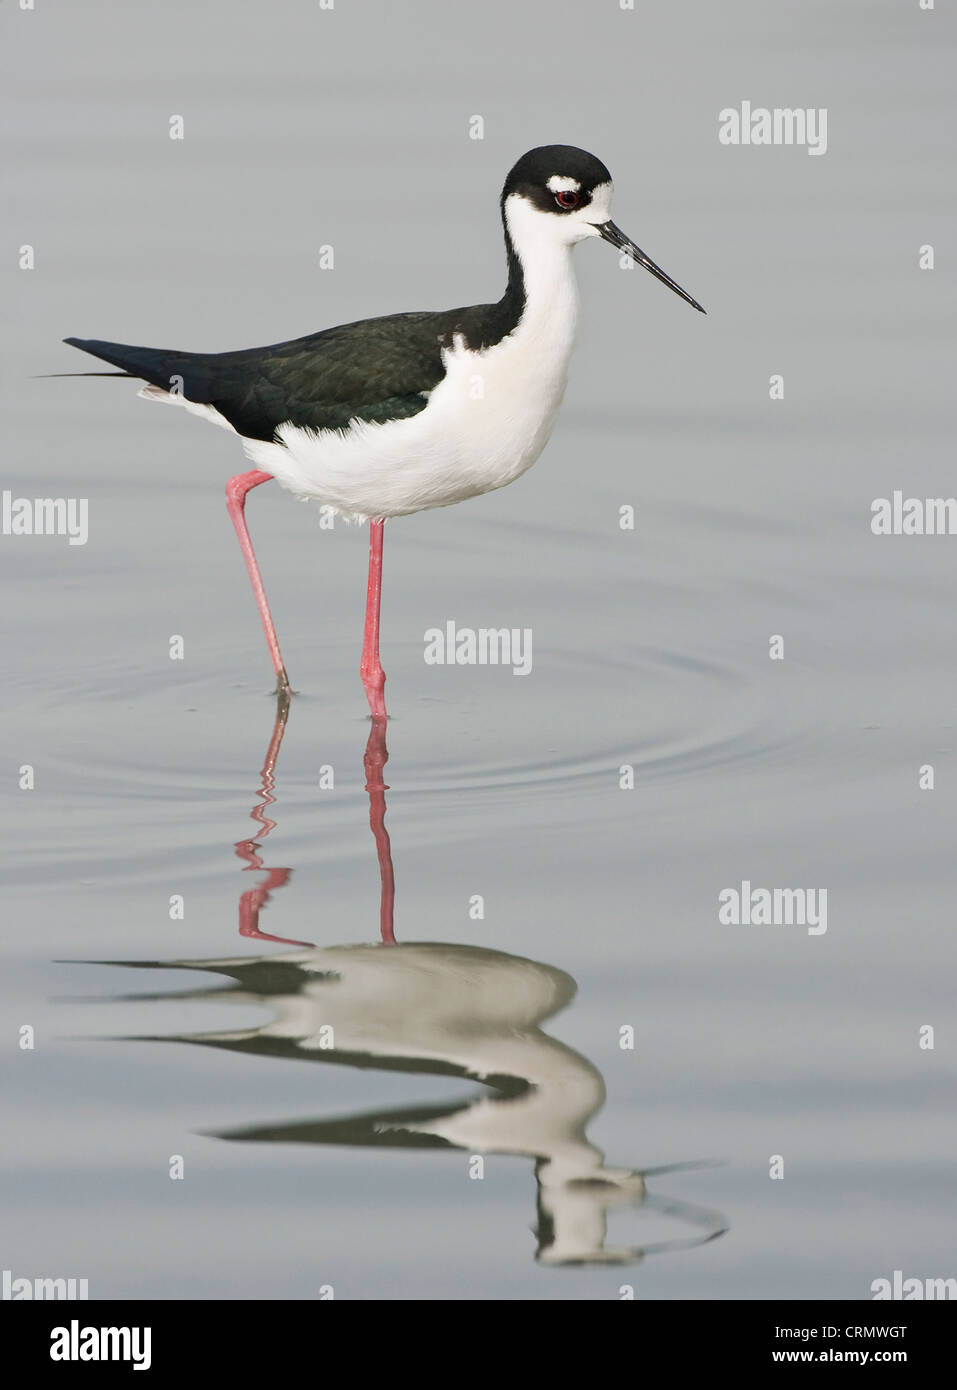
{"x": 558, "y": 183}
{"x": 599, "y": 209}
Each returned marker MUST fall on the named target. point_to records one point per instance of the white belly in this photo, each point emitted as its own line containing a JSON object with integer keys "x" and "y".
{"x": 485, "y": 423}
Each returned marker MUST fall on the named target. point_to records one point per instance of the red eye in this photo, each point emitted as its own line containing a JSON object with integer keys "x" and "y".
{"x": 568, "y": 198}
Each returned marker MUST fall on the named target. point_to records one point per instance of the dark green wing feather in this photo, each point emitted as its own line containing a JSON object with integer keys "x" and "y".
{"x": 374, "y": 370}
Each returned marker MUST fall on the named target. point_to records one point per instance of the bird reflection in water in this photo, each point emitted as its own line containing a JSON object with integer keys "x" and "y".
{"x": 440, "y": 1010}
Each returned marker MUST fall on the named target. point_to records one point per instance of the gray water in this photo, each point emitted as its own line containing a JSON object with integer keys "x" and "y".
{"x": 350, "y": 128}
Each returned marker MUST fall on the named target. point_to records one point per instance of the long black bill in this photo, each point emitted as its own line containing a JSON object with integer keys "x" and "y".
{"x": 609, "y": 232}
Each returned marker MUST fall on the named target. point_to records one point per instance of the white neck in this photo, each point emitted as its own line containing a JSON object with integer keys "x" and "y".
{"x": 551, "y": 291}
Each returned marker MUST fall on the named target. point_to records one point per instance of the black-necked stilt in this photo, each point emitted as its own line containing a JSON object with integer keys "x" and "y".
{"x": 393, "y": 415}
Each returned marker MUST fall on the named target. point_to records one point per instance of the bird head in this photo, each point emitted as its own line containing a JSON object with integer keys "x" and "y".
{"x": 557, "y": 195}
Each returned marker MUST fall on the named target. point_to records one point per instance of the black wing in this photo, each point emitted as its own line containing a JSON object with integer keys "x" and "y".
{"x": 374, "y": 370}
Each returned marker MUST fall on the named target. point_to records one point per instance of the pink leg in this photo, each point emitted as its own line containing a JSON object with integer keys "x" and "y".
{"x": 376, "y": 757}
{"x": 236, "y": 490}
{"x": 373, "y": 676}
